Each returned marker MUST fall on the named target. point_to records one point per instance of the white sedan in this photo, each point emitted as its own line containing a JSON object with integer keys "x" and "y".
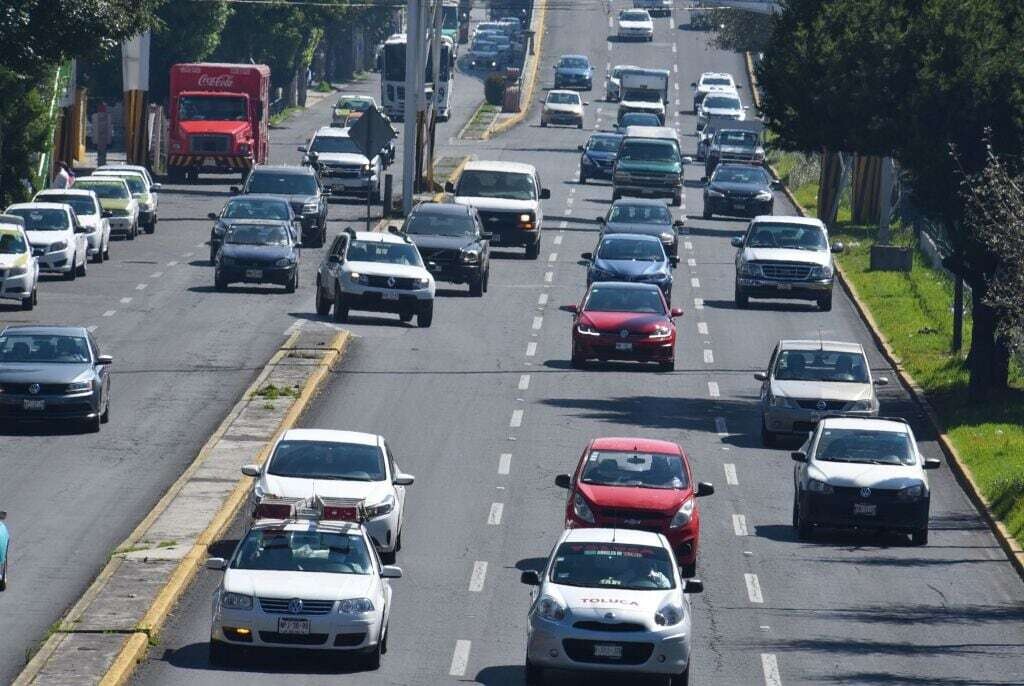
{"x": 610, "y": 600}
{"x": 562, "y": 107}
{"x": 636, "y": 25}
{"x": 58, "y": 239}
{"x": 87, "y": 208}
{"x": 339, "y": 464}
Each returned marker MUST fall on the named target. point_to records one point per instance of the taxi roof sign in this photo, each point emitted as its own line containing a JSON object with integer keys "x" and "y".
{"x": 317, "y": 508}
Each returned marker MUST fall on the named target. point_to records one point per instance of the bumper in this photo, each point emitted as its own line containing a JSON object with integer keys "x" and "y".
{"x": 612, "y": 347}
{"x": 573, "y": 82}
{"x": 407, "y": 302}
{"x": 562, "y": 646}
{"x": 783, "y": 290}
{"x": 211, "y": 163}
{"x": 43, "y": 408}
{"x": 514, "y": 238}
{"x": 278, "y": 275}
{"x": 633, "y": 34}
{"x": 794, "y": 420}
{"x": 332, "y": 631}
{"x": 16, "y": 287}
{"x": 57, "y": 262}
{"x": 558, "y": 118}
{"x": 120, "y": 224}
{"x": 738, "y": 207}
{"x": 838, "y": 510}
{"x": 94, "y": 243}
{"x": 456, "y": 273}
{"x": 350, "y": 185}
{"x": 640, "y": 191}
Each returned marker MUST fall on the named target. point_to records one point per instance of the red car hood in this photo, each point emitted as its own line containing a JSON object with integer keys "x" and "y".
{"x": 231, "y": 128}
{"x": 613, "y": 322}
{"x": 664, "y": 500}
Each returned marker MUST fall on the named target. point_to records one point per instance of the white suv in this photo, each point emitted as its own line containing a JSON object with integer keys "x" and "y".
{"x": 57, "y": 237}
{"x": 379, "y": 272}
{"x": 708, "y": 81}
{"x": 87, "y": 208}
{"x": 341, "y": 166}
{"x": 19, "y": 270}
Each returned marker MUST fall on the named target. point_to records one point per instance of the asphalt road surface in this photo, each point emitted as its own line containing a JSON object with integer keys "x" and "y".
{"x": 841, "y": 609}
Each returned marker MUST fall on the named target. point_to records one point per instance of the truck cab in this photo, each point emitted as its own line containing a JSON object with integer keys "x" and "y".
{"x": 649, "y": 165}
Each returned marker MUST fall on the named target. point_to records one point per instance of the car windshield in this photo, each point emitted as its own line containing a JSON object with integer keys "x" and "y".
{"x": 135, "y": 183}
{"x": 83, "y": 205}
{"x": 354, "y": 104}
{"x": 573, "y": 63}
{"x": 634, "y": 16}
{"x": 871, "y": 447}
{"x": 642, "y": 95}
{"x": 640, "y": 214}
{"x": 821, "y": 365}
{"x": 564, "y": 99}
{"x": 747, "y": 138}
{"x": 378, "y": 251}
{"x": 257, "y": 234}
{"x": 281, "y": 184}
{"x": 496, "y": 184}
{"x": 324, "y": 552}
{"x": 12, "y": 244}
{"x": 42, "y": 220}
{"x": 334, "y": 144}
{"x": 640, "y": 119}
{"x": 613, "y": 565}
{"x": 791, "y": 236}
{"x": 613, "y": 299}
{"x": 430, "y": 224}
{"x": 715, "y": 81}
{"x": 327, "y": 460}
{"x": 639, "y": 469}
{"x": 648, "y": 151}
{"x": 211, "y": 108}
{"x": 631, "y": 249}
{"x": 107, "y": 190}
{"x": 748, "y": 175}
{"x": 246, "y": 208}
{"x": 604, "y": 144}
{"x": 58, "y": 348}
{"x": 720, "y": 102}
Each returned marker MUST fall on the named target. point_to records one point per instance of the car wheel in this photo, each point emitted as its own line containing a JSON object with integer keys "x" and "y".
{"x": 426, "y": 316}
{"x": 768, "y": 438}
{"x": 543, "y": 124}
{"x": 579, "y": 124}
{"x": 487, "y": 277}
{"x": 28, "y": 302}
{"x": 92, "y": 426}
{"x": 323, "y": 304}
{"x": 707, "y": 213}
{"x": 677, "y": 199}
{"x": 340, "y": 311}
{"x": 3, "y": 574}
{"x": 106, "y": 250}
{"x": 221, "y": 654}
{"x": 682, "y": 679}
{"x": 578, "y": 361}
{"x": 82, "y": 268}
{"x": 803, "y": 527}
{"x": 825, "y": 304}
{"x": 293, "y": 283}
{"x": 384, "y": 641}
{"x": 667, "y": 366}
{"x": 583, "y": 176}
{"x": 741, "y": 298}
{"x": 131, "y": 233}
{"x": 371, "y": 661}
{"x": 105, "y": 417}
{"x": 98, "y": 257}
{"x": 533, "y": 674}
{"x": 70, "y": 274}
{"x": 151, "y": 229}
{"x": 688, "y": 571}
{"x": 219, "y": 283}
{"x": 533, "y": 250}
{"x": 919, "y": 537}
{"x": 476, "y": 288}
{"x": 405, "y": 317}
{"x": 213, "y": 255}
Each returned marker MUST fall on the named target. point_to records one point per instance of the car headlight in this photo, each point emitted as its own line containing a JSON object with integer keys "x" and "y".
{"x": 284, "y": 262}
{"x": 781, "y": 401}
{"x": 422, "y": 282}
{"x": 825, "y": 272}
{"x": 356, "y": 277}
{"x": 668, "y": 615}
{"x": 310, "y": 208}
{"x": 748, "y": 269}
{"x": 365, "y": 169}
{"x": 471, "y": 255}
{"x": 763, "y": 196}
{"x": 661, "y": 332}
{"x": 586, "y": 331}
{"x": 913, "y": 492}
{"x": 17, "y": 271}
{"x": 581, "y": 509}
{"x": 683, "y": 515}
{"x": 815, "y": 486}
{"x": 235, "y": 601}
{"x": 667, "y": 237}
{"x": 78, "y": 387}
{"x": 859, "y": 406}
{"x": 382, "y": 508}
{"x": 712, "y": 193}
{"x": 60, "y": 245}
{"x": 550, "y": 609}
{"x": 355, "y": 606}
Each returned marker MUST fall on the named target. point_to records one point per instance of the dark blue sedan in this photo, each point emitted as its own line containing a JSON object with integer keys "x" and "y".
{"x": 258, "y": 251}
{"x": 599, "y": 156}
{"x": 631, "y": 257}
{"x": 574, "y": 71}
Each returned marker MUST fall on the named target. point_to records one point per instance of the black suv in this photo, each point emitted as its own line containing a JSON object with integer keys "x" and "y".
{"x": 302, "y": 188}
{"x": 453, "y": 243}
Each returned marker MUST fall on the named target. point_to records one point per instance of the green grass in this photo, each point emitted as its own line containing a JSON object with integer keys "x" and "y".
{"x": 481, "y": 119}
{"x": 272, "y": 392}
{"x": 283, "y": 115}
{"x": 324, "y": 87}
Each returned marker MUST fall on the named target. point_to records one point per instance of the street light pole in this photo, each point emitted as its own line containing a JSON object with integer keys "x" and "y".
{"x": 413, "y": 94}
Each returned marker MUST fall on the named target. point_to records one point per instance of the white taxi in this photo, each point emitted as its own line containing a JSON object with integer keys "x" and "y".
{"x": 339, "y": 464}
{"x": 610, "y": 600}
{"x": 90, "y": 214}
{"x": 58, "y": 239}
{"x": 19, "y": 270}
{"x": 305, "y": 576}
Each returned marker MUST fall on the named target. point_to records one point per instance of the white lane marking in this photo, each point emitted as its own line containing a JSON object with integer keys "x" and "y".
{"x": 477, "y": 578}
{"x": 504, "y": 463}
{"x": 677, "y": 86}
{"x": 568, "y": 210}
{"x": 460, "y": 659}
{"x": 770, "y": 666}
{"x": 537, "y": 323}
{"x": 702, "y": 328}
{"x": 713, "y": 389}
{"x": 548, "y": 276}
{"x": 553, "y": 257}
{"x": 688, "y": 245}
{"x": 694, "y": 282}
{"x": 531, "y": 349}
{"x": 125, "y": 301}
{"x": 753, "y": 588}
{"x": 109, "y": 313}
{"x": 172, "y": 263}
{"x": 568, "y": 201}
{"x": 563, "y": 224}
{"x": 573, "y": 190}
{"x": 675, "y": 68}
{"x": 739, "y": 524}
{"x": 677, "y": 102}
{"x": 494, "y": 517}
{"x": 517, "y": 419}
{"x": 675, "y": 48}
{"x": 295, "y": 326}
{"x": 611, "y": 25}
{"x": 201, "y": 245}
{"x": 690, "y": 262}
{"x": 141, "y": 287}
{"x": 557, "y": 241}
{"x": 720, "y": 428}
{"x": 188, "y": 254}
{"x": 709, "y": 357}
{"x": 524, "y": 382}
{"x": 156, "y": 275}
{"x": 698, "y": 303}
{"x": 542, "y": 299}
{"x": 92, "y": 329}
{"x": 730, "y": 474}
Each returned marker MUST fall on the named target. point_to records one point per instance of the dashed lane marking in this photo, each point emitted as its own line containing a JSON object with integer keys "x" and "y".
{"x": 690, "y": 262}
{"x": 553, "y": 257}
{"x": 504, "y": 463}
{"x": 713, "y": 389}
{"x": 563, "y": 224}
{"x": 675, "y": 48}
{"x": 494, "y": 517}
{"x": 524, "y": 382}
{"x": 568, "y": 210}
{"x": 753, "y": 588}
{"x": 688, "y": 245}
{"x": 730, "y": 474}
{"x": 477, "y": 578}
{"x": 720, "y": 427}
{"x": 542, "y": 299}
{"x": 172, "y": 263}
{"x": 537, "y": 323}
{"x": 549, "y": 276}
{"x": 517, "y": 419}
{"x": 694, "y": 282}
{"x": 531, "y": 349}
{"x": 702, "y": 328}
{"x": 557, "y": 241}
{"x": 125, "y": 301}
{"x": 460, "y": 659}
{"x": 698, "y": 303}
{"x": 709, "y": 357}
{"x": 141, "y": 286}
{"x": 156, "y": 275}
{"x": 110, "y": 313}
{"x": 91, "y": 329}
{"x": 739, "y": 524}
{"x": 770, "y": 666}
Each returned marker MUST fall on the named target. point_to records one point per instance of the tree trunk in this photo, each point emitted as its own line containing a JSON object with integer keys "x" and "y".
{"x": 291, "y": 92}
{"x": 302, "y": 82}
{"x": 958, "y": 313}
{"x": 989, "y": 359}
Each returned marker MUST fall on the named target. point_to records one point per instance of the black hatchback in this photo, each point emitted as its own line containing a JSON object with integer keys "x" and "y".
{"x": 258, "y": 251}
{"x": 452, "y": 242}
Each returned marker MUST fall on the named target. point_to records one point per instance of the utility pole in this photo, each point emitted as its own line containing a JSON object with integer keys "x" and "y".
{"x": 435, "y": 61}
{"x": 414, "y": 75}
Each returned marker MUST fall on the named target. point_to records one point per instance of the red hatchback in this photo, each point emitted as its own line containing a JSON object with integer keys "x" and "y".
{"x": 638, "y": 483}
{"x": 624, "y": 321}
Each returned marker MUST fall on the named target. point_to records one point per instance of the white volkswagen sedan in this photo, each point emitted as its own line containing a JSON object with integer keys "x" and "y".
{"x": 636, "y": 25}
{"x": 339, "y": 464}
{"x": 610, "y": 600}
{"x": 305, "y": 576}
{"x": 89, "y": 212}
{"x": 58, "y": 239}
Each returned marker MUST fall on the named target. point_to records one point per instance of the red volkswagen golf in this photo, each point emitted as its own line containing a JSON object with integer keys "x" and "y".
{"x": 638, "y": 483}
{"x": 624, "y": 321}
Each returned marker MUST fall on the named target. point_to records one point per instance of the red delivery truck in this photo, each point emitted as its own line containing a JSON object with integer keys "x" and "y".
{"x": 218, "y": 119}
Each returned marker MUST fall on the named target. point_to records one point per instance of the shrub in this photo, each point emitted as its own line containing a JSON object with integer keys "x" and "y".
{"x": 494, "y": 89}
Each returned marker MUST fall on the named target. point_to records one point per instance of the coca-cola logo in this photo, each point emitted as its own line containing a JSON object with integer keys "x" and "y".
{"x": 222, "y": 81}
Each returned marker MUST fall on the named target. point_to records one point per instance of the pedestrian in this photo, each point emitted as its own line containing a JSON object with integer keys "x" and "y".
{"x": 64, "y": 178}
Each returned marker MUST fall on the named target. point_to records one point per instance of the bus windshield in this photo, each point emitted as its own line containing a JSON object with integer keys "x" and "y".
{"x": 394, "y": 62}
{"x": 450, "y": 17}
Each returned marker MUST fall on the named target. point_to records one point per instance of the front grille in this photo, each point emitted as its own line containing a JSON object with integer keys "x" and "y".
{"x": 610, "y": 626}
{"x": 829, "y": 405}
{"x": 740, "y": 195}
{"x": 293, "y": 639}
{"x": 497, "y": 222}
{"x": 38, "y": 252}
{"x": 210, "y": 143}
{"x": 403, "y": 284}
{"x": 784, "y": 271}
{"x": 349, "y": 640}
{"x": 279, "y": 606}
{"x": 44, "y": 389}
{"x": 654, "y": 179}
{"x": 852, "y": 494}
{"x": 581, "y": 650}
{"x": 439, "y": 254}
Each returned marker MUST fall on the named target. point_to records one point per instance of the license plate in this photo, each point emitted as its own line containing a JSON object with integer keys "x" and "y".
{"x": 389, "y": 295}
{"x": 254, "y": 273}
{"x": 785, "y": 286}
{"x": 34, "y": 404}
{"x": 292, "y": 626}
{"x": 864, "y": 509}
{"x": 614, "y": 652}
{"x": 739, "y": 205}
{"x": 624, "y": 346}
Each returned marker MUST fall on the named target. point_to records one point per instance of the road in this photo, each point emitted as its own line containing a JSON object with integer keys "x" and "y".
{"x": 183, "y": 354}
{"x": 842, "y": 609}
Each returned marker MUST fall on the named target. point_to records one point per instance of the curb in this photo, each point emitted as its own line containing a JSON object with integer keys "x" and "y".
{"x": 961, "y": 470}
{"x": 531, "y": 81}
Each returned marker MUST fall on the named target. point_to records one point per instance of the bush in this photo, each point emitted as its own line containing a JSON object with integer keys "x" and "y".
{"x": 494, "y": 89}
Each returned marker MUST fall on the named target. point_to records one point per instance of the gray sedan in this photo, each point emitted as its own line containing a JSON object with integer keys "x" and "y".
{"x": 53, "y": 373}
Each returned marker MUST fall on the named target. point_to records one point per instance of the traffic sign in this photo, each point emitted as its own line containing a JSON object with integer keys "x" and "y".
{"x": 371, "y": 132}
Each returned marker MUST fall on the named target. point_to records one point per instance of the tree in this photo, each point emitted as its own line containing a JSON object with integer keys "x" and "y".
{"x": 740, "y": 31}
{"x": 22, "y": 114}
{"x": 185, "y": 32}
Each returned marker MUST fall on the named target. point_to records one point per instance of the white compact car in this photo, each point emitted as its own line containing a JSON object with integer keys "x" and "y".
{"x": 304, "y": 576}
{"x": 720, "y": 103}
{"x": 339, "y": 464}
{"x": 87, "y": 208}
{"x": 610, "y": 600}
{"x": 709, "y": 81}
{"x": 636, "y": 25}
{"x": 57, "y": 237}
{"x": 562, "y": 107}
{"x": 19, "y": 270}
{"x": 342, "y": 167}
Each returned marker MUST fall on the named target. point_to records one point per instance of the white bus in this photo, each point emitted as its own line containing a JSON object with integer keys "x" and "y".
{"x": 392, "y": 82}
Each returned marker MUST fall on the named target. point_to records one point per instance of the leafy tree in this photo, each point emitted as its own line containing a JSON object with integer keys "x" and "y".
{"x": 185, "y": 32}
{"x": 740, "y": 31}
{"x": 22, "y": 114}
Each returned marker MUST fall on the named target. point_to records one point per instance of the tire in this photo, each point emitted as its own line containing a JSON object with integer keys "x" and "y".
{"x": 371, "y": 661}
{"x": 151, "y": 229}
{"x": 176, "y": 174}
{"x": 681, "y": 679}
{"x": 543, "y": 124}
{"x": 616, "y": 195}
{"x": 294, "y": 283}
{"x": 323, "y": 305}
{"x": 82, "y": 269}
{"x": 803, "y": 527}
{"x": 105, "y": 417}
{"x": 579, "y": 125}
{"x": 405, "y": 317}
{"x": 825, "y": 304}
{"x": 29, "y": 302}
{"x": 70, "y": 274}
{"x": 768, "y": 438}
{"x": 213, "y": 255}
{"x": 425, "y": 316}
{"x": 919, "y": 537}
{"x": 741, "y": 300}
{"x": 3, "y": 574}
{"x": 219, "y": 283}
{"x": 487, "y": 277}
{"x": 533, "y": 674}
{"x": 583, "y": 177}
{"x": 221, "y": 654}
{"x": 92, "y": 426}
{"x": 106, "y": 250}
{"x": 132, "y": 233}
{"x": 476, "y": 288}
{"x": 384, "y": 641}
{"x": 98, "y": 257}
{"x": 578, "y": 362}
{"x": 533, "y": 250}
{"x": 688, "y": 571}
{"x": 707, "y": 214}
{"x": 340, "y": 311}
{"x": 669, "y": 366}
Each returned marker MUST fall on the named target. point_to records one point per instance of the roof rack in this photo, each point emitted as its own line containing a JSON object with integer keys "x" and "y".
{"x": 316, "y": 509}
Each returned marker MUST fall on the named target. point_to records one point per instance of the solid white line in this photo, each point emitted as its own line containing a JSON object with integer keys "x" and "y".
{"x": 531, "y": 349}
{"x": 709, "y": 357}
{"x": 141, "y": 287}
{"x": 690, "y": 262}
{"x": 156, "y": 275}
{"x": 125, "y": 301}
{"x": 730, "y": 474}
{"x": 720, "y": 427}
{"x": 739, "y": 524}
{"x": 542, "y": 299}
{"x": 494, "y": 517}
{"x": 702, "y": 328}
{"x": 770, "y": 665}
{"x": 504, "y": 463}
{"x": 688, "y": 245}
{"x": 476, "y": 579}
{"x": 524, "y": 382}
{"x": 713, "y": 389}
{"x": 460, "y": 660}
{"x": 557, "y": 241}
{"x": 698, "y": 303}
{"x": 109, "y": 313}
{"x": 537, "y": 323}
{"x": 753, "y": 588}
{"x": 517, "y": 419}
{"x": 553, "y": 257}
{"x": 548, "y": 276}
{"x": 172, "y": 263}
{"x": 694, "y": 282}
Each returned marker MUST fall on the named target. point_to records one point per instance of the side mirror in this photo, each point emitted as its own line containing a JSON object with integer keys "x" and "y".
{"x": 234, "y": 190}
{"x": 882, "y": 381}
{"x": 390, "y": 572}
{"x": 431, "y": 265}
{"x": 599, "y": 220}
{"x": 760, "y": 376}
{"x": 587, "y": 255}
{"x": 838, "y": 247}
{"x": 3, "y": 515}
{"x": 580, "y": 148}
{"x": 746, "y": 107}
{"x": 687, "y": 160}
{"x": 156, "y": 186}
{"x": 703, "y": 179}
{"x": 693, "y": 84}
{"x": 776, "y": 185}
{"x": 449, "y": 187}
{"x": 334, "y": 259}
{"x": 251, "y": 469}
{"x": 81, "y": 229}
{"x": 545, "y": 193}
{"x": 737, "y": 241}
{"x": 394, "y": 229}
{"x": 530, "y": 577}
{"x": 704, "y": 488}
{"x": 212, "y": 215}
{"x": 104, "y": 360}
{"x": 679, "y": 224}
{"x": 675, "y": 312}
{"x": 486, "y": 235}
{"x": 216, "y": 563}
{"x": 932, "y": 463}
{"x": 403, "y": 480}
{"x": 798, "y": 456}
{"x": 586, "y": 103}
{"x": 693, "y": 586}
{"x": 301, "y": 148}
{"x": 563, "y": 481}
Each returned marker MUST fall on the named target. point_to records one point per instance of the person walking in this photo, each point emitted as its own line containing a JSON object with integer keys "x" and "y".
{"x": 64, "y": 178}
